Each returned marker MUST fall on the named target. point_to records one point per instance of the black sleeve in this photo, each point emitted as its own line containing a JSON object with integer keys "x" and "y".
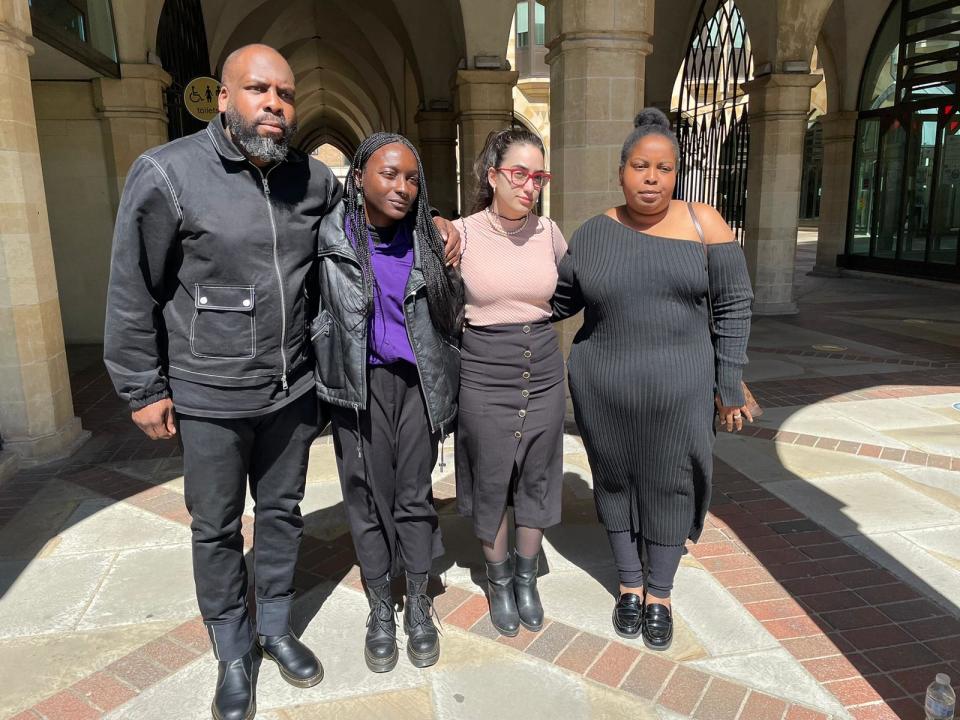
{"x": 732, "y": 302}
{"x": 335, "y": 191}
{"x": 567, "y": 299}
{"x": 145, "y": 245}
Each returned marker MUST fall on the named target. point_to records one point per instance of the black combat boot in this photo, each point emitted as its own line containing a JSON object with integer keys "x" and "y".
{"x": 380, "y": 649}
{"x": 423, "y": 639}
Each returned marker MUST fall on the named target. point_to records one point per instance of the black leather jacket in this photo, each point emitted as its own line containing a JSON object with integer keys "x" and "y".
{"x": 213, "y": 273}
{"x": 339, "y": 332}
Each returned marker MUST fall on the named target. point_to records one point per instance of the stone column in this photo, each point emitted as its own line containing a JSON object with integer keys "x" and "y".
{"x": 133, "y": 116}
{"x": 438, "y": 151}
{"x": 597, "y": 57}
{"x": 839, "y": 136}
{"x": 37, "y": 423}
{"x": 484, "y": 104}
{"x": 597, "y": 61}
{"x": 779, "y": 104}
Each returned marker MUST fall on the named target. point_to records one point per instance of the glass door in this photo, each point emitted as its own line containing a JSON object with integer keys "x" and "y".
{"x": 919, "y": 184}
{"x": 890, "y": 179}
{"x": 865, "y": 171}
{"x": 946, "y": 203}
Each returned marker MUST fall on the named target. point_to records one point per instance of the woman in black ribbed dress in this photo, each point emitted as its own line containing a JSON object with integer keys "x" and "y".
{"x": 647, "y": 378}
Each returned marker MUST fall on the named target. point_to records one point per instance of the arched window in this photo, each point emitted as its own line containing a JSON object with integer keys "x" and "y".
{"x": 710, "y": 112}
{"x": 334, "y": 158}
{"x": 905, "y": 197}
{"x": 879, "y": 86}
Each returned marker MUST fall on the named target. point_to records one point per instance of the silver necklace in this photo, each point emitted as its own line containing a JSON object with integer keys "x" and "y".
{"x": 501, "y": 229}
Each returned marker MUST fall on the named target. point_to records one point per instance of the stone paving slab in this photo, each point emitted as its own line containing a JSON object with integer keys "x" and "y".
{"x": 105, "y": 525}
{"x": 863, "y": 503}
{"x": 49, "y": 595}
{"x": 129, "y": 592}
{"x": 890, "y": 415}
{"x": 944, "y": 481}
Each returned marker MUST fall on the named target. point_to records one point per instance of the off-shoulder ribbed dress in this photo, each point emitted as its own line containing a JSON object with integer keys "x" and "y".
{"x": 643, "y": 369}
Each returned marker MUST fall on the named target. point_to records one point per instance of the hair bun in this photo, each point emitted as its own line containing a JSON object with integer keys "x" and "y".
{"x": 651, "y": 116}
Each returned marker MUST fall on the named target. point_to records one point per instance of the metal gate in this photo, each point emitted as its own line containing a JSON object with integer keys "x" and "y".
{"x": 711, "y": 112}
{"x": 182, "y": 46}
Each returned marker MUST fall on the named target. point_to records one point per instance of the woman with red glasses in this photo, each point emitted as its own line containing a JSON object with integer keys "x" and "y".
{"x": 509, "y": 446}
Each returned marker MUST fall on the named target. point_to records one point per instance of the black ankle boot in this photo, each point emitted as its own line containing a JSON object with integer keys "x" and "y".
{"x": 236, "y": 695}
{"x": 529, "y": 607}
{"x": 423, "y": 639}
{"x": 298, "y": 665}
{"x": 657, "y": 626}
{"x": 628, "y": 615}
{"x": 380, "y": 649}
{"x": 503, "y": 603}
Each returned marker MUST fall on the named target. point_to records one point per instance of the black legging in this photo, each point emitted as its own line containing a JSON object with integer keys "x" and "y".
{"x": 662, "y": 562}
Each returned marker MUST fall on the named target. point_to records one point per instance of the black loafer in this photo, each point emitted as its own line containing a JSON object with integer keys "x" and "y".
{"x": 236, "y": 695}
{"x": 298, "y": 665}
{"x": 628, "y": 616}
{"x": 657, "y": 626}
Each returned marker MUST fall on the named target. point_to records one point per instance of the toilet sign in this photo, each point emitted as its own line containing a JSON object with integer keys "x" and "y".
{"x": 200, "y": 97}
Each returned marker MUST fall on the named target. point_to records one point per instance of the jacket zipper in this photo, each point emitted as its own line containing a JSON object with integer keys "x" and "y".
{"x": 406, "y": 326}
{"x": 264, "y": 178}
{"x": 423, "y": 389}
{"x": 363, "y": 380}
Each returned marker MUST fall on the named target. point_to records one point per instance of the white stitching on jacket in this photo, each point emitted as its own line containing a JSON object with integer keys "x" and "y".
{"x": 166, "y": 179}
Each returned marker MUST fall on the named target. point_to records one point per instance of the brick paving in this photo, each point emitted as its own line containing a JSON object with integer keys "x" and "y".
{"x": 867, "y": 637}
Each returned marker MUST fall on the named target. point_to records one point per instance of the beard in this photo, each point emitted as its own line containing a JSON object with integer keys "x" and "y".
{"x": 254, "y": 145}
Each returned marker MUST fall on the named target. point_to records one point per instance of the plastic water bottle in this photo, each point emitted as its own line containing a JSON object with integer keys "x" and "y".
{"x": 941, "y": 699}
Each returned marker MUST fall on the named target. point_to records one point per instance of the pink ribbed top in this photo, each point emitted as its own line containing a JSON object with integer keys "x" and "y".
{"x": 509, "y": 278}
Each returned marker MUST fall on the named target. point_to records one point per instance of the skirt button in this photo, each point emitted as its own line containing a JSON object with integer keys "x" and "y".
{"x": 526, "y": 374}
{"x": 527, "y": 354}
{"x": 517, "y": 434}
{"x": 522, "y": 413}
{"x": 526, "y": 328}
{"x": 525, "y": 393}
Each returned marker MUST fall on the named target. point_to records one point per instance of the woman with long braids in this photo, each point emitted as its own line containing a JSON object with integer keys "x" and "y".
{"x": 385, "y": 342}
{"x": 512, "y": 401}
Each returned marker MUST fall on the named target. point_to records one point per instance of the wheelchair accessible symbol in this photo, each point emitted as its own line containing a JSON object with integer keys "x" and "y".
{"x": 200, "y": 98}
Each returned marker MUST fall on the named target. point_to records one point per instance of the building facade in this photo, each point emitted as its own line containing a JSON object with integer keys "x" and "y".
{"x": 87, "y": 85}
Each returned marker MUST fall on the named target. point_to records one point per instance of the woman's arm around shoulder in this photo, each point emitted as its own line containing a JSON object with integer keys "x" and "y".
{"x": 559, "y": 242}
{"x": 567, "y": 300}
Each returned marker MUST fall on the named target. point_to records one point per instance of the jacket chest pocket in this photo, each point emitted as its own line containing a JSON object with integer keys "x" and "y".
{"x": 224, "y": 324}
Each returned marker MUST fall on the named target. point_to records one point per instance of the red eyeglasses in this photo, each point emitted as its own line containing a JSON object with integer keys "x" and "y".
{"x": 518, "y": 176}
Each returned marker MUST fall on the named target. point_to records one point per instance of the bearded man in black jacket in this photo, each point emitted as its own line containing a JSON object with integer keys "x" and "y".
{"x": 212, "y": 288}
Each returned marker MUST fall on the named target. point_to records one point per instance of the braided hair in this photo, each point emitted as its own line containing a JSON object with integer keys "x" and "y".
{"x": 444, "y": 293}
{"x": 496, "y": 146}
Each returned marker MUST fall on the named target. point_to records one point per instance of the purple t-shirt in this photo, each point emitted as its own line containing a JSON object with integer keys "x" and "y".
{"x": 391, "y": 257}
